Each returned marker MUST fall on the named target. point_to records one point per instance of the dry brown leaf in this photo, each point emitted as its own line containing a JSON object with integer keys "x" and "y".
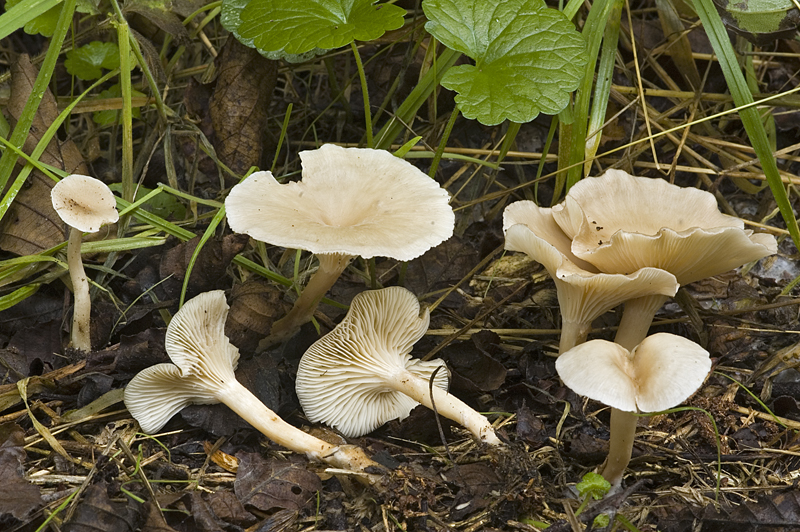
{"x": 31, "y": 225}
{"x": 239, "y": 105}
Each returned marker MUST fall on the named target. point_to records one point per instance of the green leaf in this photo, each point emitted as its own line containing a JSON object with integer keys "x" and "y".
{"x": 17, "y": 16}
{"x": 105, "y": 118}
{"x": 296, "y": 31}
{"x": 761, "y": 21}
{"x": 528, "y": 57}
{"x": 87, "y": 61}
{"x": 601, "y": 521}
{"x": 593, "y": 485}
{"x": 44, "y": 24}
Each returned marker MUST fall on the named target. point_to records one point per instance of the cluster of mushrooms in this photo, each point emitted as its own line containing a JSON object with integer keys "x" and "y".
{"x": 618, "y": 239}
{"x": 614, "y": 239}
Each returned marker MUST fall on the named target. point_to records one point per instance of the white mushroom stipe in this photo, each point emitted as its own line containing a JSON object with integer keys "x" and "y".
{"x": 360, "y": 375}
{"x": 85, "y": 204}
{"x": 203, "y": 373}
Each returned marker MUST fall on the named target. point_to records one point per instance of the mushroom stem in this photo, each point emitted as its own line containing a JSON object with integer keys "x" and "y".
{"x": 80, "y": 337}
{"x": 251, "y": 409}
{"x": 636, "y": 321}
{"x": 331, "y": 266}
{"x": 623, "y": 432}
{"x": 446, "y": 404}
{"x": 572, "y": 333}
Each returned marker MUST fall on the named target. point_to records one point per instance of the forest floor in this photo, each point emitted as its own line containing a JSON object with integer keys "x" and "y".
{"x": 73, "y": 459}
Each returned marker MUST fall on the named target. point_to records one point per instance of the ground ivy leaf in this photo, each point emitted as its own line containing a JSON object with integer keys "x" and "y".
{"x": 44, "y": 24}
{"x": 593, "y": 485}
{"x": 761, "y": 21}
{"x": 87, "y": 61}
{"x": 528, "y": 57}
{"x": 288, "y": 29}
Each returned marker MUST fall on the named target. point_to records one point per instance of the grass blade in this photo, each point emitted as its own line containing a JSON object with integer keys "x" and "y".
{"x": 750, "y": 116}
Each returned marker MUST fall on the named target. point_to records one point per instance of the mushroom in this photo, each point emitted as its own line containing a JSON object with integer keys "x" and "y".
{"x": 583, "y": 293}
{"x": 621, "y": 223}
{"x": 202, "y": 372}
{"x": 350, "y": 202}
{"x": 85, "y": 204}
{"x": 361, "y": 375}
{"x": 659, "y": 373}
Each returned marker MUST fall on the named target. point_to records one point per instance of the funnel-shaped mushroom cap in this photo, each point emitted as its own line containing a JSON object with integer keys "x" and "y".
{"x": 660, "y": 373}
{"x": 342, "y": 378}
{"x": 584, "y": 295}
{"x": 204, "y": 361}
{"x": 621, "y": 223}
{"x": 84, "y": 203}
{"x": 352, "y": 201}
{"x": 542, "y": 224}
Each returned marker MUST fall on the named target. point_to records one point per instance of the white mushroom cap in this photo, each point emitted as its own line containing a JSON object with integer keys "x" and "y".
{"x": 342, "y": 378}
{"x": 353, "y": 201}
{"x": 660, "y": 373}
{"x": 84, "y": 203}
{"x": 203, "y": 360}
{"x": 621, "y": 223}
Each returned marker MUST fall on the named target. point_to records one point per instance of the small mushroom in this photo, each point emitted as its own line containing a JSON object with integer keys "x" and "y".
{"x": 351, "y": 202}
{"x": 659, "y": 373}
{"x": 85, "y": 204}
{"x": 583, "y": 293}
{"x": 361, "y": 375}
{"x": 202, "y": 372}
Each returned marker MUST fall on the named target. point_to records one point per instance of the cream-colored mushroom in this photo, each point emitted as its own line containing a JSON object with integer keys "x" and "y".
{"x": 85, "y": 204}
{"x": 659, "y": 373}
{"x": 361, "y": 375}
{"x": 583, "y": 293}
{"x": 350, "y": 202}
{"x": 203, "y": 373}
{"x": 621, "y": 223}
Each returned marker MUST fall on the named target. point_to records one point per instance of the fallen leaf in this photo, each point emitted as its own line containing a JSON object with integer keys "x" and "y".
{"x": 239, "y": 105}
{"x": 18, "y": 497}
{"x": 226, "y": 461}
{"x": 31, "y": 224}
{"x": 227, "y": 507}
{"x": 275, "y": 484}
{"x": 209, "y": 272}
{"x": 255, "y": 305}
{"x": 98, "y": 513}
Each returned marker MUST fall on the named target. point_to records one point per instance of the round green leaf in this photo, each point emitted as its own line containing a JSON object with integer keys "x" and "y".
{"x": 295, "y": 31}
{"x": 44, "y": 24}
{"x": 528, "y": 57}
{"x": 87, "y": 61}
